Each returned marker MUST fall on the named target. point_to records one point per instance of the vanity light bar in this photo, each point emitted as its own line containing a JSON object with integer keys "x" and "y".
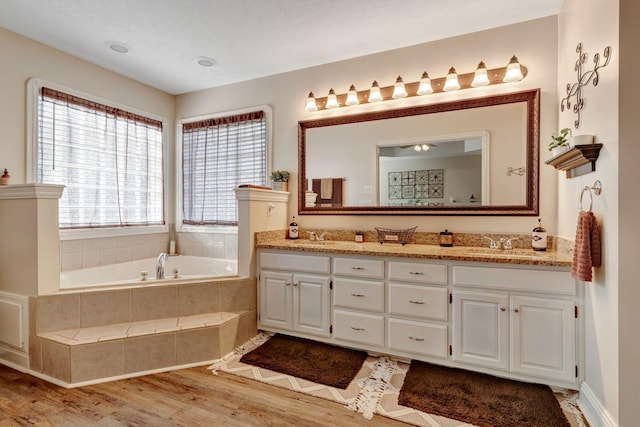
{"x": 465, "y": 81}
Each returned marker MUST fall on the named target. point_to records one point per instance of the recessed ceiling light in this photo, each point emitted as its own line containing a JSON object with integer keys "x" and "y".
{"x": 117, "y": 47}
{"x": 205, "y": 61}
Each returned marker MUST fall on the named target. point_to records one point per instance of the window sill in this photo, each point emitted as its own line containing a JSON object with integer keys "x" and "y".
{"x": 95, "y": 233}
{"x": 219, "y": 229}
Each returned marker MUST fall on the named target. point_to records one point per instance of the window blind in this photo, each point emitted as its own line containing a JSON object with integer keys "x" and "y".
{"x": 110, "y": 160}
{"x": 219, "y": 154}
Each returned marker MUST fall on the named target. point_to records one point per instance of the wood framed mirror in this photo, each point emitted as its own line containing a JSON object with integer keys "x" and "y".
{"x": 467, "y": 157}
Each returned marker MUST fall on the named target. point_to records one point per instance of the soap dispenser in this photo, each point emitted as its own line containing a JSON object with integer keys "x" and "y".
{"x": 539, "y": 238}
{"x": 293, "y": 229}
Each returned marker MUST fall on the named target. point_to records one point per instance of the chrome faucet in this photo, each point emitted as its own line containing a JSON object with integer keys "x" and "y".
{"x": 315, "y": 236}
{"x": 160, "y": 265}
{"x": 501, "y": 243}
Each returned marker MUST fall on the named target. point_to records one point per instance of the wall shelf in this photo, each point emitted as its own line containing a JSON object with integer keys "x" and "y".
{"x": 575, "y": 157}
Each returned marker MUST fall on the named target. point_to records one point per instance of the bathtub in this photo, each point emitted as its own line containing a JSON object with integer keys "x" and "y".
{"x": 191, "y": 268}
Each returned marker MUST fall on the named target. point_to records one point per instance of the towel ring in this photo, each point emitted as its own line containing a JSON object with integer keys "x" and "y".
{"x": 597, "y": 189}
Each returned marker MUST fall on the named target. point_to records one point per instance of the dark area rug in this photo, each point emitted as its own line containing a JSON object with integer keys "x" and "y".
{"x": 479, "y": 399}
{"x": 311, "y": 360}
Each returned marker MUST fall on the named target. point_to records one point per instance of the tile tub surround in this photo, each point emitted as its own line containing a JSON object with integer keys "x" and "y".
{"x": 93, "y": 336}
{"x": 467, "y": 247}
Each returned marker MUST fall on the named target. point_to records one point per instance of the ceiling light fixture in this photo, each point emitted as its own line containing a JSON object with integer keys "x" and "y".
{"x": 117, "y": 47}
{"x": 205, "y": 61}
{"x": 453, "y": 81}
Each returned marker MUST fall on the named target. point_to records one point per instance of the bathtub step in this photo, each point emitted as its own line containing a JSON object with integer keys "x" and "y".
{"x": 134, "y": 329}
{"x": 81, "y": 356}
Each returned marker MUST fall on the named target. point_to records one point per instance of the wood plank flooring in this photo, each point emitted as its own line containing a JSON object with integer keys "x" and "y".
{"x": 188, "y": 397}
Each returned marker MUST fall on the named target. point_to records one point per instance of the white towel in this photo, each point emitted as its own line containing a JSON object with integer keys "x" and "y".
{"x": 326, "y": 188}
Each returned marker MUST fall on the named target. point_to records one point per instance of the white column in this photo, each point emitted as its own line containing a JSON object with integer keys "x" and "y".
{"x": 258, "y": 210}
{"x": 30, "y": 244}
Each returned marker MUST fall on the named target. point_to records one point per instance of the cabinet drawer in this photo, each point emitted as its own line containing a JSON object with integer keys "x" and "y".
{"x": 358, "y": 294}
{"x": 428, "y": 302}
{"x": 306, "y": 263}
{"x": 371, "y": 268}
{"x": 420, "y": 338}
{"x": 358, "y": 327}
{"x": 557, "y": 282}
{"x": 417, "y": 272}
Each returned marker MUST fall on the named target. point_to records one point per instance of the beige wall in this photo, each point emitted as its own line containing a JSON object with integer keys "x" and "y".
{"x": 628, "y": 175}
{"x": 23, "y": 58}
{"x": 286, "y": 93}
{"x": 595, "y": 24}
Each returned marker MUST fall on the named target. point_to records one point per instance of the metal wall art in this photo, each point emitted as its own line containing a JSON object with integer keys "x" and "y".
{"x": 584, "y": 78}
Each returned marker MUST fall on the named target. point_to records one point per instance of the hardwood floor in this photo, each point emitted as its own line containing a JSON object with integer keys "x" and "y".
{"x": 188, "y": 397}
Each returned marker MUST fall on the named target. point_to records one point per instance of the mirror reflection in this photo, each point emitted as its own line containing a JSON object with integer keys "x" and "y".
{"x": 370, "y": 164}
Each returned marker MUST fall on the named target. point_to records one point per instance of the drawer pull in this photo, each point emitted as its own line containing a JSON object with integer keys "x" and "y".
{"x": 417, "y": 273}
{"x": 416, "y": 339}
{"x": 416, "y": 302}
{"x": 357, "y": 329}
{"x": 357, "y": 268}
{"x": 357, "y": 295}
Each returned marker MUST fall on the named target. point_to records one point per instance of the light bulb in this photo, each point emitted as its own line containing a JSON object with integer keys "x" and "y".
{"x": 352, "y": 96}
{"x": 480, "y": 77}
{"x": 398, "y": 89}
{"x": 332, "y": 100}
{"x": 451, "y": 82}
{"x": 311, "y": 105}
{"x": 514, "y": 73}
{"x": 425, "y": 147}
{"x": 374, "y": 92}
{"x": 425, "y": 85}
{"x": 417, "y": 148}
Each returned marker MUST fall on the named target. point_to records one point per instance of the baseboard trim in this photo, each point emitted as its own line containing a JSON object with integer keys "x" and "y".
{"x": 592, "y": 409}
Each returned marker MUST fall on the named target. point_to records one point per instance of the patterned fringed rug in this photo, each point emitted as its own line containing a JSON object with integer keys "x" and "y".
{"x": 374, "y": 390}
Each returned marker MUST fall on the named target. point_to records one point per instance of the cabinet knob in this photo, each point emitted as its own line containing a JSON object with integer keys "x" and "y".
{"x": 503, "y": 309}
{"x": 287, "y": 283}
{"x": 357, "y": 295}
{"x": 416, "y": 302}
{"x": 295, "y": 284}
{"x": 416, "y": 339}
{"x": 516, "y": 310}
{"x": 357, "y": 329}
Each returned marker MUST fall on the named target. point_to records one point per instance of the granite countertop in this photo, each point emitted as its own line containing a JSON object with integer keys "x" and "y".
{"x": 519, "y": 256}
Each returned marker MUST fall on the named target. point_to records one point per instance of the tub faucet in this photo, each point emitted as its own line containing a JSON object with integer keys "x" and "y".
{"x": 160, "y": 265}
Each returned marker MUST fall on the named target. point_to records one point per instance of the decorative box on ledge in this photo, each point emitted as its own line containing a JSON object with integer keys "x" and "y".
{"x": 575, "y": 157}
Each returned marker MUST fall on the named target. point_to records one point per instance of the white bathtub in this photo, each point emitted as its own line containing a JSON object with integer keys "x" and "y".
{"x": 191, "y": 268}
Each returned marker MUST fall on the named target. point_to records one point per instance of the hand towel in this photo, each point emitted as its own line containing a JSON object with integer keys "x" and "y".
{"x": 586, "y": 253}
{"x": 326, "y": 188}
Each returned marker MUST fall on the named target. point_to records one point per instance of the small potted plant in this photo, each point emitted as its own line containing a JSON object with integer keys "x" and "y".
{"x": 559, "y": 142}
{"x": 280, "y": 180}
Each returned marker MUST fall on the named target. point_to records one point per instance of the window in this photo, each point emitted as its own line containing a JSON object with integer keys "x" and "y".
{"x": 109, "y": 159}
{"x": 218, "y": 154}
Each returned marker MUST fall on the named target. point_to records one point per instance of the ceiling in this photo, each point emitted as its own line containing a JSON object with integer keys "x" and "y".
{"x": 248, "y": 39}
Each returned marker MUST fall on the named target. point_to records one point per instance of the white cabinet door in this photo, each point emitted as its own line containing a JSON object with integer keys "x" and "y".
{"x": 276, "y": 300}
{"x": 543, "y": 337}
{"x": 481, "y": 329}
{"x": 311, "y": 304}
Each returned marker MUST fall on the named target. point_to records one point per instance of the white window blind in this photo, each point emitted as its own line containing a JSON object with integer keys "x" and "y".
{"x": 110, "y": 160}
{"x": 218, "y": 154}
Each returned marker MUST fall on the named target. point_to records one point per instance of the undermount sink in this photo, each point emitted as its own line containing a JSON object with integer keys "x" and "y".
{"x": 312, "y": 243}
{"x": 515, "y": 253}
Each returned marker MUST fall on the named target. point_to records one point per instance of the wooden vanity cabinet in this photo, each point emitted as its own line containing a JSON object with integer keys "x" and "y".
{"x": 514, "y": 321}
{"x": 296, "y": 301}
